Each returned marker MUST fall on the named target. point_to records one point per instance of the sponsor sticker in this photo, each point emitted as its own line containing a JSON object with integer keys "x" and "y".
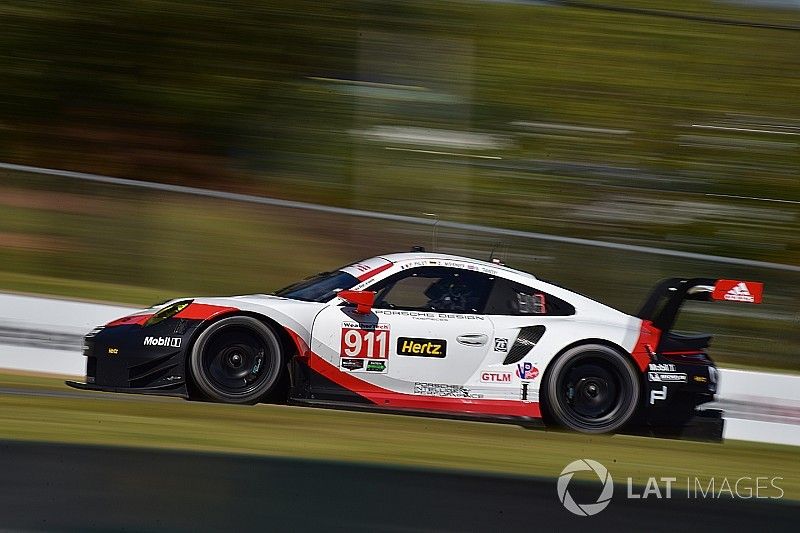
{"x": 661, "y": 367}
{"x": 376, "y": 366}
{"x": 526, "y": 370}
{"x": 422, "y": 347}
{"x": 667, "y": 377}
{"x": 113, "y": 351}
{"x": 501, "y": 345}
{"x": 738, "y": 291}
{"x": 352, "y": 364}
{"x": 172, "y": 342}
{"x": 491, "y": 376}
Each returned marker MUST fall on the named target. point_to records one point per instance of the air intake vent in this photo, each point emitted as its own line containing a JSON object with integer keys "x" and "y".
{"x": 527, "y": 339}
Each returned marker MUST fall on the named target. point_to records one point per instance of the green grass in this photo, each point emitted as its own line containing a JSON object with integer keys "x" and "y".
{"x": 83, "y": 290}
{"x": 371, "y": 438}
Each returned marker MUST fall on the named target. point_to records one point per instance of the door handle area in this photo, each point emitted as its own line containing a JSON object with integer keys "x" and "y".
{"x": 473, "y": 339}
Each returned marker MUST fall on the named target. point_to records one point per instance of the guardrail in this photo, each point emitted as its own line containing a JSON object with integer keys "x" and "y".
{"x": 469, "y": 228}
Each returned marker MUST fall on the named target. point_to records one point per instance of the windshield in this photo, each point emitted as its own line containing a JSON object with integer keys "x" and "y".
{"x": 319, "y": 288}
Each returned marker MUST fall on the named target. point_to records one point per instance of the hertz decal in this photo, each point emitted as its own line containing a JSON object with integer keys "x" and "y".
{"x": 422, "y": 347}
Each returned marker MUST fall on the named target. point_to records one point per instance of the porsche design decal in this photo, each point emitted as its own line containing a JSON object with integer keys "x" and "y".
{"x": 441, "y": 389}
{"x": 427, "y": 315}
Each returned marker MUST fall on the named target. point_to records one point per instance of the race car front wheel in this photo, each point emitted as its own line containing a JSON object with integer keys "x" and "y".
{"x": 236, "y": 360}
{"x": 592, "y": 389}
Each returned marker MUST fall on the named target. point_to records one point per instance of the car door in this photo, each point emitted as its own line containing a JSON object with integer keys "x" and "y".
{"x": 441, "y": 334}
{"x": 426, "y": 334}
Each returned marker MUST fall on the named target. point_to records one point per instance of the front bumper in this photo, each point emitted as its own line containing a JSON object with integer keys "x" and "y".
{"x": 136, "y": 359}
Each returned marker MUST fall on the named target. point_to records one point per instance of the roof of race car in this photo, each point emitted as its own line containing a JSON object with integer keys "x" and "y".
{"x": 430, "y": 256}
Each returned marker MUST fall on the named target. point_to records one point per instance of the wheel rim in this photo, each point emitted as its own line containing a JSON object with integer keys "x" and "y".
{"x": 592, "y": 391}
{"x": 236, "y": 361}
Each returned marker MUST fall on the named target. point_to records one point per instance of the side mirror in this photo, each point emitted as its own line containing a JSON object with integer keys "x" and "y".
{"x": 362, "y": 299}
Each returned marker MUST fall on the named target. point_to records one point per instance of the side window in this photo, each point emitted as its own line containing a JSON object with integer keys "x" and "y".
{"x": 511, "y": 298}
{"x": 438, "y": 289}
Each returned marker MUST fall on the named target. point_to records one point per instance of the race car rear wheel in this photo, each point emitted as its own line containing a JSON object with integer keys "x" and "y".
{"x": 236, "y": 360}
{"x": 592, "y": 389}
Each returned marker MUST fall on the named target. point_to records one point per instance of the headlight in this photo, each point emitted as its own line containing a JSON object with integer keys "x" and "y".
{"x": 167, "y": 312}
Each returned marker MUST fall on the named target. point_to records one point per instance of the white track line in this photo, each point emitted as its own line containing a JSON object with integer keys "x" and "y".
{"x": 748, "y": 130}
{"x": 753, "y": 198}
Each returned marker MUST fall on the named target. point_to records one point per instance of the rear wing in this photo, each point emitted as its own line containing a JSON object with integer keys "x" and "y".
{"x": 664, "y": 303}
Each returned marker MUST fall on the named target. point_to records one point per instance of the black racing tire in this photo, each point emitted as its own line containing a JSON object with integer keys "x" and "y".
{"x": 592, "y": 389}
{"x": 236, "y": 360}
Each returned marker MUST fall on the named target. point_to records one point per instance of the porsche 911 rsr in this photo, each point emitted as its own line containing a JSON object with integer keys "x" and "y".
{"x": 430, "y": 333}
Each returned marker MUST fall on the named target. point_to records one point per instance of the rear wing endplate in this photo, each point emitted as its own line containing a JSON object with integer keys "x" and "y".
{"x": 664, "y": 303}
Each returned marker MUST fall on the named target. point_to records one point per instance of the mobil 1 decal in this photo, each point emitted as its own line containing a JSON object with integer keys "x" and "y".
{"x": 364, "y": 347}
{"x": 421, "y": 347}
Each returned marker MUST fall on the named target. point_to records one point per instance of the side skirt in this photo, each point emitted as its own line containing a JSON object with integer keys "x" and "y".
{"x": 527, "y": 422}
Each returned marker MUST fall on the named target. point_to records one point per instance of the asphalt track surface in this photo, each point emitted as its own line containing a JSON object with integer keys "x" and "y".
{"x": 58, "y": 487}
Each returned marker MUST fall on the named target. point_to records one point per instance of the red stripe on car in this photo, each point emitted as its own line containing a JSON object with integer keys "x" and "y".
{"x": 130, "y": 320}
{"x": 303, "y": 351}
{"x": 203, "y": 311}
{"x": 400, "y": 400}
{"x": 646, "y": 344}
{"x": 374, "y": 272}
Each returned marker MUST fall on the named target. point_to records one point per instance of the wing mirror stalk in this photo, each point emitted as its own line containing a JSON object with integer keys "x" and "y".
{"x": 363, "y": 300}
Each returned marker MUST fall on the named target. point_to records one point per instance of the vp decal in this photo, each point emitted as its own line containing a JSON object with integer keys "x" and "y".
{"x": 527, "y": 371}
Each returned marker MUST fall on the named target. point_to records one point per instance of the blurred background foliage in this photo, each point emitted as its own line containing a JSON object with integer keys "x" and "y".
{"x": 632, "y": 121}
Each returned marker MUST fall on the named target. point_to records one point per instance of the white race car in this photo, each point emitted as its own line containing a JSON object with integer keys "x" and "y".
{"x": 431, "y": 333}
